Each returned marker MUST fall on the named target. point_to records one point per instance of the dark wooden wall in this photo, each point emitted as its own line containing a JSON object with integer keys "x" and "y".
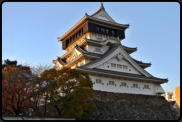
{"x": 91, "y": 27}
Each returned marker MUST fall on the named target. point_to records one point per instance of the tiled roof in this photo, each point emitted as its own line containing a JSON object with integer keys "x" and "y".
{"x": 104, "y": 55}
{"x": 120, "y": 73}
{"x": 143, "y": 65}
{"x": 61, "y": 61}
{"x": 129, "y": 49}
{"x": 82, "y": 50}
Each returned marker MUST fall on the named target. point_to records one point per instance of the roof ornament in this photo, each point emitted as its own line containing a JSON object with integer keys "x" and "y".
{"x": 102, "y": 5}
{"x": 118, "y": 39}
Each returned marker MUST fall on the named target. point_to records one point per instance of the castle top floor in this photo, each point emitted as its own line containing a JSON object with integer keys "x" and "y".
{"x": 100, "y": 22}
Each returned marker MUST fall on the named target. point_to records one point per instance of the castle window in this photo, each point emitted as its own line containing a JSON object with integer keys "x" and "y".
{"x": 102, "y": 30}
{"x": 119, "y": 66}
{"x": 97, "y": 29}
{"x": 98, "y": 81}
{"x": 82, "y": 30}
{"x": 107, "y": 31}
{"x": 79, "y": 32}
{"x": 97, "y": 50}
{"x": 70, "y": 39}
{"x": 111, "y": 82}
{"x": 125, "y": 67}
{"x": 73, "y": 37}
{"x": 113, "y": 65}
{"x": 135, "y": 85}
{"x": 113, "y": 33}
{"x": 146, "y": 86}
{"x": 123, "y": 84}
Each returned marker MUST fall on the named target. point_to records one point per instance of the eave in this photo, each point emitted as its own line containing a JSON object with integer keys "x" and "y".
{"x": 124, "y": 26}
{"x": 142, "y": 64}
{"x": 86, "y": 18}
{"x": 84, "y": 54}
{"x": 129, "y": 50}
{"x": 73, "y": 28}
{"x": 122, "y": 75}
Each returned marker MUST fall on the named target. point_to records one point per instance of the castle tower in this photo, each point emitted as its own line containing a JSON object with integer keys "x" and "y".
{"x": 94, "y": 45}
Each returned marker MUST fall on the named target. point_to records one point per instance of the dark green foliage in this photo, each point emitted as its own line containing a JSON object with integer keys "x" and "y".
{"x": 68, "y": 91}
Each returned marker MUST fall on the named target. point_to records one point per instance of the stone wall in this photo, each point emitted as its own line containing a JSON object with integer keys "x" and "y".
{"x": 123, "y": 106}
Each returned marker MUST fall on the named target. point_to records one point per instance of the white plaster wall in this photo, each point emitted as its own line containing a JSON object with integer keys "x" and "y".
{"x": 122, "y": 62}
{"x": 79, "y": 64}
{"x": 86, "y": 47}
{"x": 103, "y": 49}
{"x": 87, "y": 61}
{"x": 158, "y": 88}
{"x": 118, "y": 89}
{"x": 94, "y": 36}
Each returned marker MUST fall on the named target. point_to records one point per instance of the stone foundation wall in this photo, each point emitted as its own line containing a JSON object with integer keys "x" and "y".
{"x": 123, "y": 106}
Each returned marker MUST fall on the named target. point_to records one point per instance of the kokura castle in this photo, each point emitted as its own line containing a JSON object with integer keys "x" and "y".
{"x": 94, "y": 45}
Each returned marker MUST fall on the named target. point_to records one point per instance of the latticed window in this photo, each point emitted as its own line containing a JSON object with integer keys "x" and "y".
{"x": 97, "y": 29}
{"x": 70, "y": 39}
{"x": 135, "y": 85}
{"x": 119, "y": 66}
{"x": 125, "y": 67}
{"x": 77, "y": 34}
{"x": 123, "y": 84}
{"x": 97, "y": 49}
{"x": 111, "y": 82}
{"x": 107, "y": 31}
{"x": 113, "y": 33}
{"x": 146, "y": 86}
{"x": 103, "y": 30}
{"x": 98, "y": 81}
{"x": 113, "y": 65}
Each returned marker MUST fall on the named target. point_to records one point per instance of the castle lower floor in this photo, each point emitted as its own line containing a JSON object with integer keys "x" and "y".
{"x": 125, "y": 86}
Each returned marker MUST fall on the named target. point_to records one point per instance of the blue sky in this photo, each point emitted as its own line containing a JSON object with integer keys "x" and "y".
{"x": 30, "y": 31}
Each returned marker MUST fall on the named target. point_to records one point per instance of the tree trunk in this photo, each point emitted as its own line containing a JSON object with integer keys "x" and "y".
{"x": 58, "y": 110}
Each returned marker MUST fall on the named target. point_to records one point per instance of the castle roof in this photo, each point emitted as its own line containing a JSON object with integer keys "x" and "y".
{"x": 99, "y": 57}
{"x": 142, "y": 64}
{"x": 129, "y": 49}
{"x": 84, "y": 52}
{"x": 116, "y": 74}
{"x": 102, "y": 10}
{"x": 99, "y": 16}
{"x": 104, "y": 55}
